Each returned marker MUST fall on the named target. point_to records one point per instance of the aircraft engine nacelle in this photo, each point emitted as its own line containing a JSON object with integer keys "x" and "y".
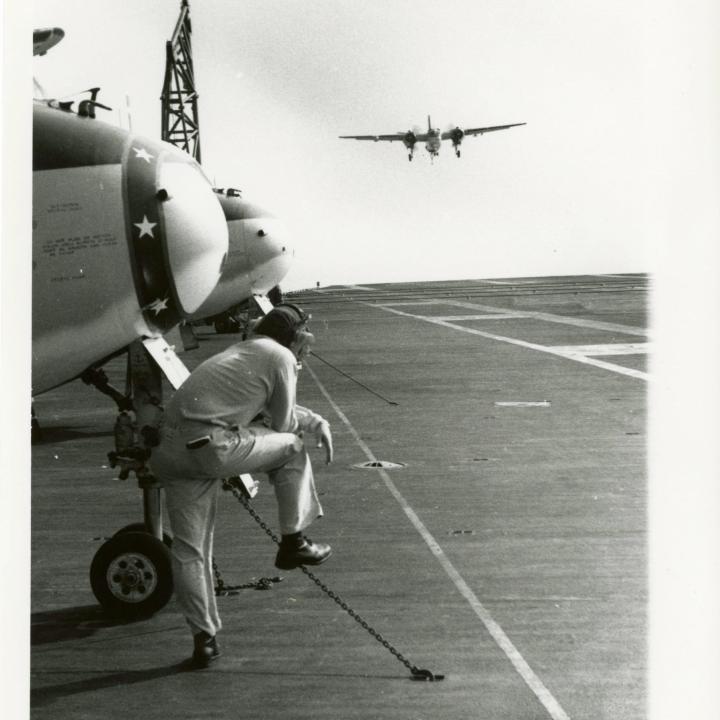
{"x": 128, "y": 239}
{"x": 259, "y": 255}
{"x": 409, "y": 139}
{"x": 456, "y": 135}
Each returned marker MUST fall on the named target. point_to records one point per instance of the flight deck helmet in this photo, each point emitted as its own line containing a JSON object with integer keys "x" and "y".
{"x": 283, "y": 323}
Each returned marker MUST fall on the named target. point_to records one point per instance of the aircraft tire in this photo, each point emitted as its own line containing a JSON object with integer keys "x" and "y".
{"x": 140, "y": 527}
{"x": 131, "y": 576}
{"x": 226, "y": 325}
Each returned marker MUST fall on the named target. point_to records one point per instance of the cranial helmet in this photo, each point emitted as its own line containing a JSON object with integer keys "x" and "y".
{"x": 282, "y": 323}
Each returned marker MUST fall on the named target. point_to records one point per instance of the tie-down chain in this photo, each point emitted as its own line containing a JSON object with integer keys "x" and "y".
{"x": 236, "y": 488}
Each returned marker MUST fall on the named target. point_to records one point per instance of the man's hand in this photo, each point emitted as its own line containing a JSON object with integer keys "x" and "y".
{"x": 302, "y": 344}
{"x": 323, "y": 436}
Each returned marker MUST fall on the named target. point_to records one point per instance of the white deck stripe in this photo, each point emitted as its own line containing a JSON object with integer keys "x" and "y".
{"x": 522, "y": 343}
{"x": 549, "y": 317}
{"x": 606, "y": 349}
{"x": 497, "y": 316}
{"x": 496, "y": 632}
{"x": 415, "y": 302}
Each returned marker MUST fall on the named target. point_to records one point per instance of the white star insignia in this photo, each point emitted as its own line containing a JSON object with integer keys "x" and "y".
{"x": 158, "y": 305}
{"x": 143, "y": 153}
{"x": 145, "y": 227}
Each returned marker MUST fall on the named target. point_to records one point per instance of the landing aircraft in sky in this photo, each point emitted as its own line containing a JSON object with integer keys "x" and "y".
{"x": 432, "y": 138}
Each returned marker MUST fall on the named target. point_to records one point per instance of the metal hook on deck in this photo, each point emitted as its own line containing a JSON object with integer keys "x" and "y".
{"x": 425, "y": 675}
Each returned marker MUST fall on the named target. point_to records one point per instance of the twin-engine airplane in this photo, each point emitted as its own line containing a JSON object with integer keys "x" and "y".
{"x": 432, "y": 138}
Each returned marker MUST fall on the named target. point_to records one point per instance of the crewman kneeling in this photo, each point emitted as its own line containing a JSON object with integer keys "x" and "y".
{"x": 210, "y": 432}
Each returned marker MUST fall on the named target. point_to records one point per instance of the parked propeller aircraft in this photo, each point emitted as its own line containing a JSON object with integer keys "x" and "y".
{"x": 129, "y": 239}
{"x": 432, "y": 138}
{"x": 259, "y": 256}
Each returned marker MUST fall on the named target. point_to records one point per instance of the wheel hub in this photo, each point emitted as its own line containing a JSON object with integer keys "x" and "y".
{"x": 132, "y": 577}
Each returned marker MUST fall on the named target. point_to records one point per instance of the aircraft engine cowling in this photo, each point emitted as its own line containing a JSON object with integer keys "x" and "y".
{"x": 128, "y": 239}
{"x": 409, "y": 139}
{"x": 259, "y": 255}
{"x": 456, "y": 135}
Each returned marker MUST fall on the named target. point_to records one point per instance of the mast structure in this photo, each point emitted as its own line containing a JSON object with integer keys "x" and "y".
{"x": 180, "y": 119}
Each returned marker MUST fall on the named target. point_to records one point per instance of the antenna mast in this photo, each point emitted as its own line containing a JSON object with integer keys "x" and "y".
{"x": 180, "y": 120}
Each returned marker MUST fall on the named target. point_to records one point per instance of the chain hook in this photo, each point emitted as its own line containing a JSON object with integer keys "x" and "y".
{"x": 425, "y": 675}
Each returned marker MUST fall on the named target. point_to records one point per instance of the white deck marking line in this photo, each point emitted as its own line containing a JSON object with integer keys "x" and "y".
{"x": 549, "y": 317}
{"x": 522, "y": 343}
{"x": 415, "y": 302}
{"x": 499, "y": 316}
{"x": 496, "y": 632}
{"x": 607, "y": 349}
{"x": 522, "y": 403}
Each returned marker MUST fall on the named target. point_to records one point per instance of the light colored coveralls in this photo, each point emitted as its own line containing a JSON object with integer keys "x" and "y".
{"x": 220, "y": 399}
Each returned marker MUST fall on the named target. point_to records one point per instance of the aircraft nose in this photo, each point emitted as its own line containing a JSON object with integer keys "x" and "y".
{"x": 269, "y": 249}
{"x": 196, "y": 233}
{"x": 259, "y": 255}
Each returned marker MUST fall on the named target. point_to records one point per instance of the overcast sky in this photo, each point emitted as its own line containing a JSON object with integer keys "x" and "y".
{"x": 279, "y": 81}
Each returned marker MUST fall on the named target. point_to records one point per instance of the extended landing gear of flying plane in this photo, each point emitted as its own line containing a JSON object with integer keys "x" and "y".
{"x": 130, "y": 575}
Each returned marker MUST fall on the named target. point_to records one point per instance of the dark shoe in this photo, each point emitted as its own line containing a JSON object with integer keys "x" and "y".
{"x": 306, "y": 552}
{"x": 205, "y": 651}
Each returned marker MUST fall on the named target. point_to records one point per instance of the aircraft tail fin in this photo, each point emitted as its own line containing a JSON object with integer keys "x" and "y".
{"x": 429, "y": 124}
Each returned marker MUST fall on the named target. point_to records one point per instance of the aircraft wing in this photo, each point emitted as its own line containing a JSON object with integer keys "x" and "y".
{"x": 480, "y": 131}
{"x": 376, "y": 138}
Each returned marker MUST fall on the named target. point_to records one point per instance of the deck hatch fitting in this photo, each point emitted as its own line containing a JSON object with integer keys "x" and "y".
{"x": 376, "y": 464}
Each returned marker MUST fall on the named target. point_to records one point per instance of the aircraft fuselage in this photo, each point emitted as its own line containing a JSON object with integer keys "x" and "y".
{"x": 432, "y": 144}
{"x": 128, "y": 239}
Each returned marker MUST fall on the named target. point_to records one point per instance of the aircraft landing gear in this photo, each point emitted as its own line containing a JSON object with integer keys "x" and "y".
{"x": 131, "y": 575}
{"x": 226, "y": 324}
{"x": 410, "y": 157}
{"x": 457, "y": 152}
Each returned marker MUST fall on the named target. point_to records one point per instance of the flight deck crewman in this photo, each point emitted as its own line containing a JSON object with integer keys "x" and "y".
{"x": 210, "y": 432}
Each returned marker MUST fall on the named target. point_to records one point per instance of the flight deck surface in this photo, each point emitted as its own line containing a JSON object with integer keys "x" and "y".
{"x": 508, "y": 552}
